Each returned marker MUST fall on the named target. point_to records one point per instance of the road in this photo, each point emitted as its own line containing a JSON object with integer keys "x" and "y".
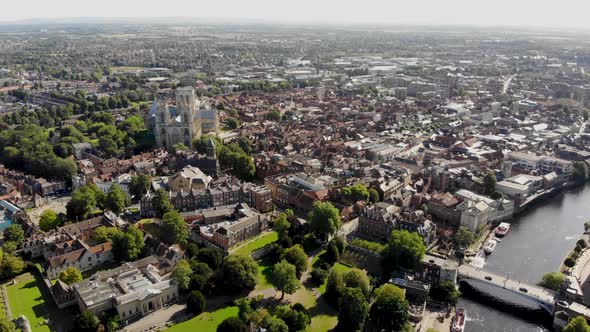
{"x": 540, "y": 293}
{"x": 507, "y": 84}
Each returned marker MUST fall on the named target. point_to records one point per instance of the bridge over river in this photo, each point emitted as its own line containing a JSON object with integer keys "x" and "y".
{"x": 544, "y": 297}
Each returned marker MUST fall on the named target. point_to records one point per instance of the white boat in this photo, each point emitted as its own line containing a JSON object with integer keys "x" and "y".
{"x": 459, "y": 321}
{"x": 502, "y": 229}
{"x": 490, "y": 247}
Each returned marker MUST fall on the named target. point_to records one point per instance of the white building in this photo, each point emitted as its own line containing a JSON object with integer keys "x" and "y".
{"x": 479, "y": 210}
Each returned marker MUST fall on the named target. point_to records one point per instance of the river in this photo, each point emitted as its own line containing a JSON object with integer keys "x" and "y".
{"x": 538, "y": 241}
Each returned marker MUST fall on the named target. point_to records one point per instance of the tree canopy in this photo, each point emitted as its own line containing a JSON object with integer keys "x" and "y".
{"x": 48, "y": 220}
{"x": 128, "y": 245}
{"x": 70, "y": 275}
{"x": 389, "y": 311}
{"x": 182, "y": 274}
{"x": 14, "y": 233}
{"x": 354, "y": 310}
{"x": 239, "y": 273}
{"x": 552, "y": 280}
{"x": 195, "y": 302}
{"x": 405, "y": 249}
{"x": 324, "y": 219}
{"x": 117, "y": 200}
{"x": 284, "y": 278}
{"x": 232, "y": 324}
{"x": 463, "y": 237}
{"x": 161, "y": 202}
{"x": 357, "y": 192}
{"x": 356, "y": 278}
{"x": 445, "y": 291}
{"x": 174, "y": 229}
{"x": 140, "y": 185}
{"x": 578, "y": 324}
{"x": 296, "y": 256}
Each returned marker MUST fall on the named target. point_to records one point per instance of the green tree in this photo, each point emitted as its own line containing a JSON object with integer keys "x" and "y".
{"x": 374, "y": 196}
{"x": 195, "y": 302}
{"x": 463, "y": 237}
{"x": 284, "y": 278}
{"x": 232, "y": 324}
{"x": 244, "y": 167}
{"x": 578, "y": 324}
{"x": 48, "y": 220}
{"x": 211, "y": 257}
{"x": 86, "y": 321}
{"x": 174, "y": 229}
{"x": 140, "y": 185}
{"x": 82, "y": 204}
{"x": 128, "y": 245}
{"x": 552, "y": 280}
{"x": 281, "y": 225}
{"x": 182, "y": 275}
{"x": 324, "y": 219}
{"x": 117, "y": 200}
{"x": 354, "y": 310}
{"x": 405, "y": 249}
{"x": 14, "y": 233}
{"x": 390, "y": 309}
{"x": 357, "y": 192}
{"x": 70, "y": 275}
{"x": 296, "y": 256}
{"x": 161, "y": 202}
{"x": 275, "y": 324}
{"x": 489, "y": 183}
{"x": 239, "y": 273}
{"x": 334, "y": 287}
{"x": 11, "y": 266}
{"x": 356, "y": 278}
{"x": 232, "y": 123}
{"x": 445, "y": 291}
{"x": 104, "y": 234}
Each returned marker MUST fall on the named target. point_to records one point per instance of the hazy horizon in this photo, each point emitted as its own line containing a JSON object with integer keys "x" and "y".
{"x": 568, "y": 14}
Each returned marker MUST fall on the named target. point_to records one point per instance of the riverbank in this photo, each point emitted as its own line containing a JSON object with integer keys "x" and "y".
{"x": 539, "y": 238}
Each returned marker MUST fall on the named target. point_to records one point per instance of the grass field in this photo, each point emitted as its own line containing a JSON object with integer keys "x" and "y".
{"x": 338, "y": 267}
{"x": 150, "y": 226}
{"x": 322, "y": 323}
{"x": 264, "y": 271}
{"x": 205, "y": 322}
{"x": 25, "y": 298}
{"x": 255, "y": 244}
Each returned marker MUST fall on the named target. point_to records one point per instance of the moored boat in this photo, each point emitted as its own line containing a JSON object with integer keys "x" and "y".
{"x": 502, "y": 229}
{"x": 490, "y": 247}
{"x": 459, "y": 321}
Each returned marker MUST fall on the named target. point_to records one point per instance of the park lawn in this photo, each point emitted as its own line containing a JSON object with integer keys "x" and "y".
{"x": 305, "y": 297}
{"x": 205, "y": 322}
{"x": 322, "y": 323}
{"x": 149, "y": 226}
{"x": 25, "y": 298}
{"x": 249, "y": 247}
{"x": 338, "y": 267}
{"x": 264, "y": 272}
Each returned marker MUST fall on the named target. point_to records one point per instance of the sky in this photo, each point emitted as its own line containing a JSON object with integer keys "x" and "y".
{"x": 549, "y": 13}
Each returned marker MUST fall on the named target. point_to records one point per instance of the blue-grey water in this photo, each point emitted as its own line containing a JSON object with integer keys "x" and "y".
{"x": 538, "y": 241}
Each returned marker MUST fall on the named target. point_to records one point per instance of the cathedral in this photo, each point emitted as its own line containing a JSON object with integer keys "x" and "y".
{"x": 181, "y": 122}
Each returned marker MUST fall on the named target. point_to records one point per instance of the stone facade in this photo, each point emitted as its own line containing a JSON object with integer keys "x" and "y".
{"x": 183, "y": 122}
